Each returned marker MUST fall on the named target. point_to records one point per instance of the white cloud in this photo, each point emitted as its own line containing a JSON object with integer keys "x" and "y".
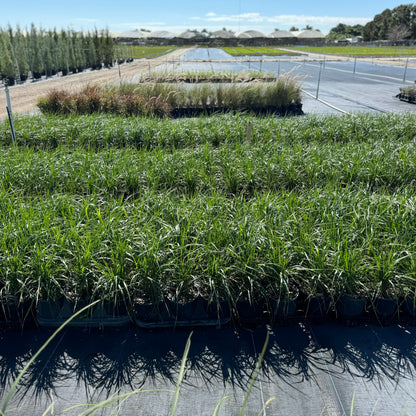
{"x": 246, "y": 21}
{"x": 325, "y": 23}
{"x": 249, "y": 17}
{"x": 323, "y": 20}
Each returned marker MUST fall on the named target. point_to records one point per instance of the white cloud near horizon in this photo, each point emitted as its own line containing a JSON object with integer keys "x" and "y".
{"x": 321, "y": 22}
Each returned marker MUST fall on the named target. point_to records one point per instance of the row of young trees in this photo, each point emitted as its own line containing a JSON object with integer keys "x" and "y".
{"x": 37, "y": 52}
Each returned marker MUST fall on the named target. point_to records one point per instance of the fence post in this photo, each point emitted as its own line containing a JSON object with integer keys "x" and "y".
{"x": 10, "y": 113}
{"x": 405, "y": 70}
{"x": 319, "y": 80}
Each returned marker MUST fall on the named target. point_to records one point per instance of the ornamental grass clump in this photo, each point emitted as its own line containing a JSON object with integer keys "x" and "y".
{"x": 160, "y": 99}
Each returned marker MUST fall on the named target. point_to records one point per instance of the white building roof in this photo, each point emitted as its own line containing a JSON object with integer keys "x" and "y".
{"x": 163, "y": 34}
{"x": 189, "y": 34}
{"x": 282, "y": 34}
{"x": 131, "y": 34}
{"x": 222, "y": 34}
{"x": 309, "y": 34}
{"x": 253, "y": 34}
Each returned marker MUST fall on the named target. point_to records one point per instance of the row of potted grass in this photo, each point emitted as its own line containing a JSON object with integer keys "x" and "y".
{"x": 50, "y": 197}
{"x": 168, "y": 99}
{"x": 208, "y": 76}
{"x": 231, "y": 169}
{"x": 163, "y": 247}
{"x": 103, "y": 131}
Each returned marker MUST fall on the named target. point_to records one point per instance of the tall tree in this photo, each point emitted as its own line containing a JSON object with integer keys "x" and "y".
{"x": 7, "y": 71}
{"x": 380, "y": 27}
{"x": 35, "y": 55}
{"x": 21, "y": 54}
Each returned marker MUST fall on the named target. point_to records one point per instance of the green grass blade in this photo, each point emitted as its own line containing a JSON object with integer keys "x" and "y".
{"x": 352, "y": 404}
{"x": 262, "y": 412}
{"x": 181, "y": 374}
{"x": 217, "y": 407}
{"x": 114, "y": 398}
{"x": 254, "y": 376}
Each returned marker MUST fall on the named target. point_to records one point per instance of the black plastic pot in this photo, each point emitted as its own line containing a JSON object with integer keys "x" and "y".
{"x": 251, "y": 312}
{"x": 283, "y": 308}
{"x": 149, "y": 315}
{"x": 350, "y": 306}
{"x": 289, "y": 110}
{"x": 196, "y": 312}
{"x": 410, "y": 305}
{"x": 15, "y": 313}
{"x": 317, "y": 307}
{"x": 385, "y": 309}
{"x": 53, "y": 313}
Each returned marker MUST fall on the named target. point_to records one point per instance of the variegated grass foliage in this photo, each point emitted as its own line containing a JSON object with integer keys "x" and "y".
{"x": 102, "y": 207}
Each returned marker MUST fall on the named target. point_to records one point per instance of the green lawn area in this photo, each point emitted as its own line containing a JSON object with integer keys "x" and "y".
{"x": 359, "y": 50}
{"x": 151, "y": 51}
{"x": 255, "y": 51}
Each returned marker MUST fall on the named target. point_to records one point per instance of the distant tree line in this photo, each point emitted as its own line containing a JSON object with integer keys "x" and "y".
{"x": 394, "y": 25}
{"x": 38, "y": 52}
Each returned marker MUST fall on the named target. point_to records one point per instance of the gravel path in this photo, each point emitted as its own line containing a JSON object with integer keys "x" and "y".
{"x": 24, "y": 97}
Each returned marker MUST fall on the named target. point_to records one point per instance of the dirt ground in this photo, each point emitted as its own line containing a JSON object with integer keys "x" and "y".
{"x": 24, "y": 97}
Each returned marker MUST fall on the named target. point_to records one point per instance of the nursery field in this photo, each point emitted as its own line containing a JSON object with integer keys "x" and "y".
{"x": 138, "y": 52}
{"x": 255, "y": 51}
{"x": 363, "y": 51}
{"x": 144, "y": 209}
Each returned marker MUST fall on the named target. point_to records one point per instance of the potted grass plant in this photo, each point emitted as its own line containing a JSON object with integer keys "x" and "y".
{"x": 350, "y": 284}
{"x": 284, "y": 299}
{"x": 281, "y": 283}
{"x": 150, "y": 308}
{"x": 384, "y": 272}
{"x": 15, "y": 309}
{"x": 315, "y": 277}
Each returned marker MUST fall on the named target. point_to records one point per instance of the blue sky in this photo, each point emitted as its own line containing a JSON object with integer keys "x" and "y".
{"x": 179, "y": 15}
